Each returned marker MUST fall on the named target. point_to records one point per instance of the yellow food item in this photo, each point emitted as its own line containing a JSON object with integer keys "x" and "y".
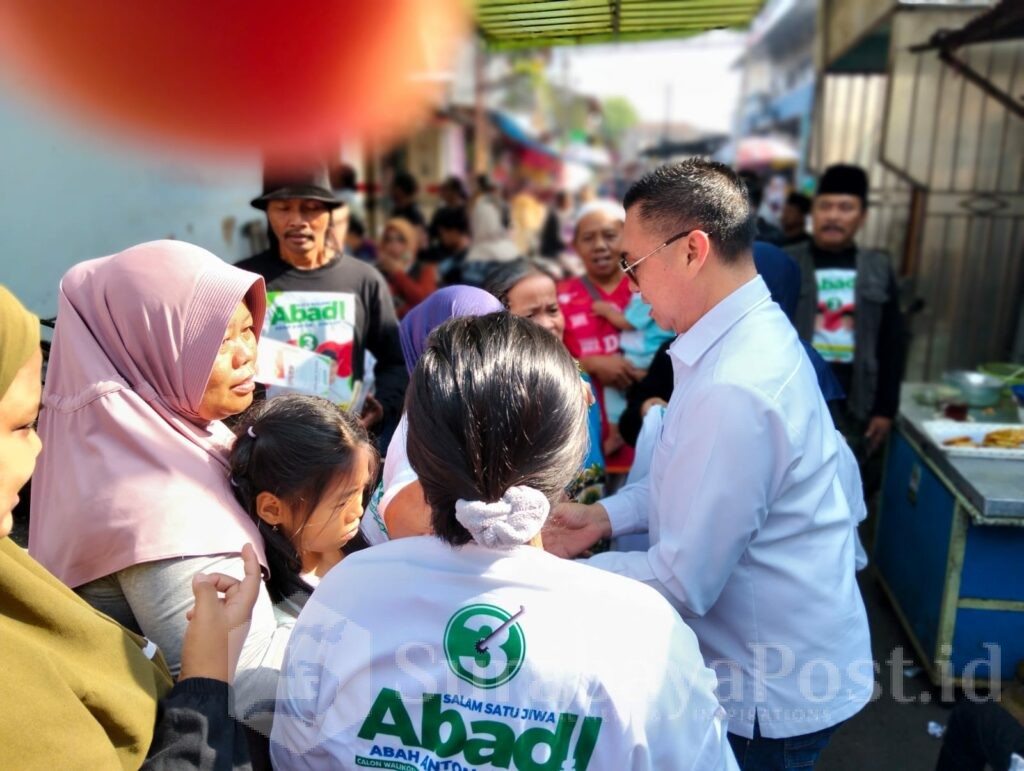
{"x": 1008, "y": 438}
{"x": 960, "y": 441}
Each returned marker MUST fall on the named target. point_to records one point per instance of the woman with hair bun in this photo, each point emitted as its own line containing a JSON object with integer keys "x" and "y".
{"x": 474, "y": 646}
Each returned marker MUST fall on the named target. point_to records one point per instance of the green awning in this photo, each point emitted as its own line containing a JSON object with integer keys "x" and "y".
{"x": 505, "y": 24}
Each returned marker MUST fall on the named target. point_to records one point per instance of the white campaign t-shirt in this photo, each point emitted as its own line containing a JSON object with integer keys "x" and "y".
{"x": 416, "y": 655}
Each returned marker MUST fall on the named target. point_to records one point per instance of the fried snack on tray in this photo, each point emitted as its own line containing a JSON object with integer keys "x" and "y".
{"x": 959, "y": 441}
{"x": 1006, "y": 438}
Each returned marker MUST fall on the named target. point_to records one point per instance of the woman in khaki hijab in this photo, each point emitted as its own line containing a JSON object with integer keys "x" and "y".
{"x": 77, "y": 690}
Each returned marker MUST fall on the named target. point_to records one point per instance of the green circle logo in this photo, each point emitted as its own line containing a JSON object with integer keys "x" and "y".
{"x": 308, "y": 341}
{"x": 482, "y": 647}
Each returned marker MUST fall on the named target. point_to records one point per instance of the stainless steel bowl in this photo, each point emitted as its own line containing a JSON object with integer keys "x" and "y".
{"x": 978, "y": 389}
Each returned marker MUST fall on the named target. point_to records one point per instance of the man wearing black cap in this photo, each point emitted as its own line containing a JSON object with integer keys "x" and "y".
{"x": 849, "y": 308}
{"x": 323, "y": 300}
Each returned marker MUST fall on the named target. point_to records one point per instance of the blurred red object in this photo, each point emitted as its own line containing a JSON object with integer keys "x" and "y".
{"x": 279, "y": 76}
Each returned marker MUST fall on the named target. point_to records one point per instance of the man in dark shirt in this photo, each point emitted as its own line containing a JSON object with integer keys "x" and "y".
{"x": 454, "y": 242}
{"x": 357, "y": 316}
{"x": 766, "y": 231}
{"x": 403, "y": 193}
{"x": 452, "y": 193}
{"x": 849, "y": 308}
{"x": 794, "y": 219}
{"x": 560, "y": 211}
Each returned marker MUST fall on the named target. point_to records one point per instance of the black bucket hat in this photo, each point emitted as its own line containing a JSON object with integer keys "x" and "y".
{"x": 312, "y": 184}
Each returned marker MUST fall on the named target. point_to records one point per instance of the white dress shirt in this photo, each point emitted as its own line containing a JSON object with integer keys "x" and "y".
{"x": 751, "y": 536}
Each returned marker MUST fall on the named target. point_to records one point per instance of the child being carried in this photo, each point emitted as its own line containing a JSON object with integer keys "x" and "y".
{"x": 640, "y": 339}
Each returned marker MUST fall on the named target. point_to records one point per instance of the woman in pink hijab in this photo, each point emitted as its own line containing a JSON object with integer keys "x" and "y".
{"x": 153, "y": 348}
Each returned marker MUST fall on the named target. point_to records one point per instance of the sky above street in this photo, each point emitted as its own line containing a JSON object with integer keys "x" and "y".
{"x": 688, "y": 81}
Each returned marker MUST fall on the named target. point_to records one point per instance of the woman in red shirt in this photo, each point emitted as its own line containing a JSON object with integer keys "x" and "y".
{"x": 589, "y": 337}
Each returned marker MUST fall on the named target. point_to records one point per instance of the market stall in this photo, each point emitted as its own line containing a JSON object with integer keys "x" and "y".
{"x": 949, "y": 544}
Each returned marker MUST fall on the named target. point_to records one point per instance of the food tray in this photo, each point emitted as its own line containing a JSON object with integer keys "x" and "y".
{"x": 941, "y": 430}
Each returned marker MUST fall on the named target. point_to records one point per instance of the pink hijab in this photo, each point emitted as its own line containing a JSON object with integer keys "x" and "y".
{"x": 129, "y": 472}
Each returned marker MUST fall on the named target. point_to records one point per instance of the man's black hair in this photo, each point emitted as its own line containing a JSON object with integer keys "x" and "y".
{"x": 356, "y": 226}
{"x": 755, "y": 188}
{"x": 452, "y": 218}
{"x": 697, "y": 194}
{"x": 799, "y": 201}
{"x": 406, "y": 182}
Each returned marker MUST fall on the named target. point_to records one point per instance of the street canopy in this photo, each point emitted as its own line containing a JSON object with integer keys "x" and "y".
{"x": 507, "y": 25}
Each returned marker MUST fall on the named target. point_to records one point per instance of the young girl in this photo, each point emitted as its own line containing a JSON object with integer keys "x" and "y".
{"x": 300, "y": 468}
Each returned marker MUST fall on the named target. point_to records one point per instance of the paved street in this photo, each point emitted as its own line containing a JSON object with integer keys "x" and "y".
{"x": 887, "y": 735}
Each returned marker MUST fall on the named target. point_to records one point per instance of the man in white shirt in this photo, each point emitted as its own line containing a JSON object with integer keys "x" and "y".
{"x": 749, "y": 527}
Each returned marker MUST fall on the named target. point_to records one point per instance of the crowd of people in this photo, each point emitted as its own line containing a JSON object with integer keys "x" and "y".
{"x": 223, "y": 576}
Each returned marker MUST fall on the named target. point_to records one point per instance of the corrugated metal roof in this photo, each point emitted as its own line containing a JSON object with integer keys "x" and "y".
{"x": 505, "y": 24}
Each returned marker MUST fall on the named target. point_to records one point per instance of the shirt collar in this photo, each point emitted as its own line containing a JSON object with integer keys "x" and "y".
{"x": 695, "y": 342}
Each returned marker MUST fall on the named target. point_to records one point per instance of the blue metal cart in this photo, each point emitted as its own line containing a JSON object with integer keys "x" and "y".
{"x": 949, "y": 553}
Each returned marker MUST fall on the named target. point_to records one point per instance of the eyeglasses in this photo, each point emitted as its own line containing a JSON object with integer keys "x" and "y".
{"x": 630, "y": 268}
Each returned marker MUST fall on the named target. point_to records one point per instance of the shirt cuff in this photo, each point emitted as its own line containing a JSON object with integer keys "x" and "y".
{"x": 622, "y": 515}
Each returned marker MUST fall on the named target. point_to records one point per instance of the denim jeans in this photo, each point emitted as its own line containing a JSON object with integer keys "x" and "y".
{"x": 762, "y": 754}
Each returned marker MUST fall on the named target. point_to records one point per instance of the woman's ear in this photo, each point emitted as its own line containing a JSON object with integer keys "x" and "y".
{"x": 271, "y": 509}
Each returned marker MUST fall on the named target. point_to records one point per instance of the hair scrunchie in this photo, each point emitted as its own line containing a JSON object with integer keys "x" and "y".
{"x": 512, "y": 520}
